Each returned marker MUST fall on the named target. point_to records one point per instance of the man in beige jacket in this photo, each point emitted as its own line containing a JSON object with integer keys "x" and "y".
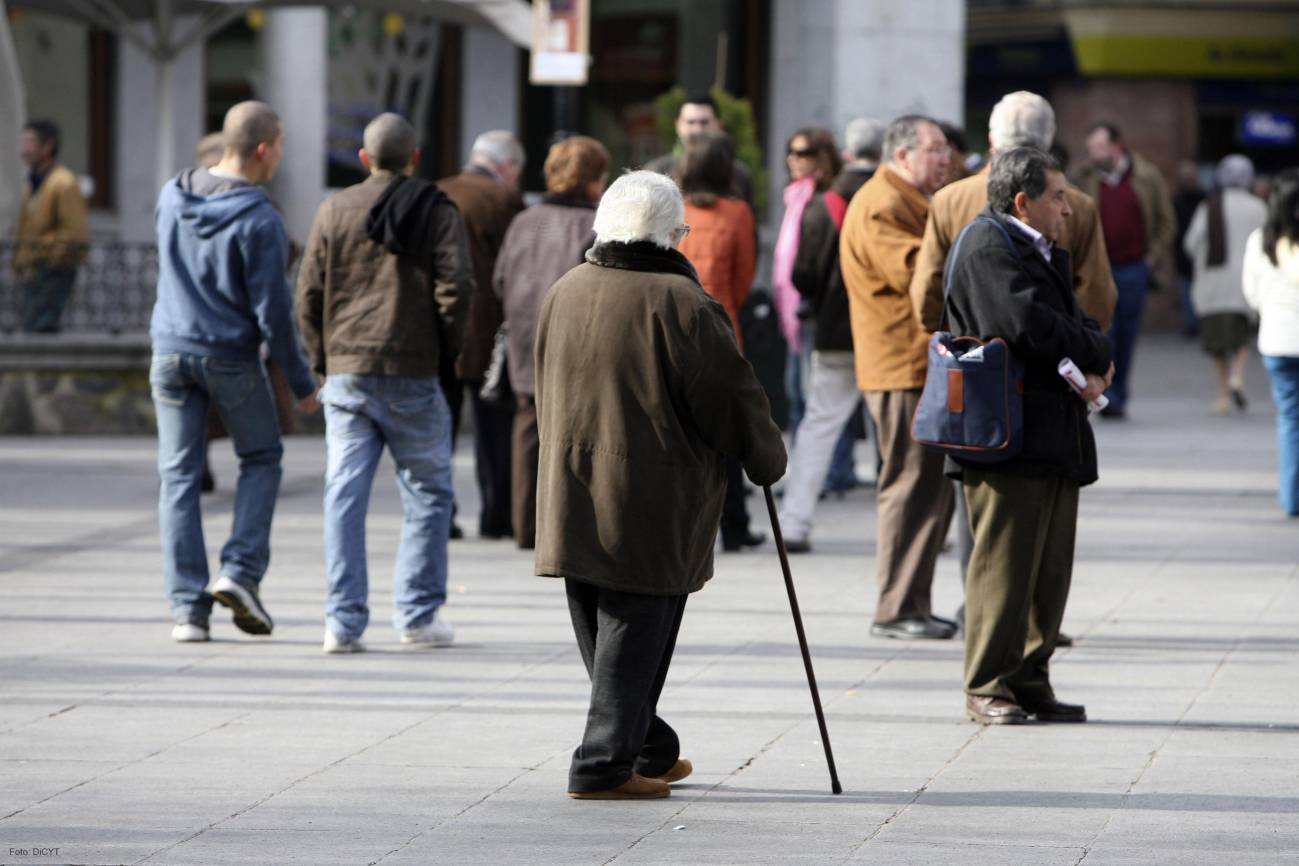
{"x": 52, "y": 234}
{"x": 877, "y": 254}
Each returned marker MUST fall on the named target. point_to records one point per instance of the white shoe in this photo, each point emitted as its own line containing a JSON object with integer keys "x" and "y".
{"x": 335, "y": 644}
{"x": 188, "y": 632}
{"x": 244, "y": 603}
{"x": 436, "y": 632}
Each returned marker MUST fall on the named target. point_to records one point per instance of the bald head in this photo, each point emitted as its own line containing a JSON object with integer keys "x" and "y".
{"x": 389, "y": 142}
{"x": 247, "y": 125}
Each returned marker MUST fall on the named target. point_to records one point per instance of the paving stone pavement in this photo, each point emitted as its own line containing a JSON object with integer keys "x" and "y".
{"x": 119, "y": 746}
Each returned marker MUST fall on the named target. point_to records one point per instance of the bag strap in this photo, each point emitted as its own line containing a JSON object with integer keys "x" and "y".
{"x": 956, "y": 250}
{"x": 837, "y": 205}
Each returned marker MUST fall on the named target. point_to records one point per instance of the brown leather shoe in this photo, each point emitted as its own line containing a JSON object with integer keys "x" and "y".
{"x": 1058, "y": 711}
{"x": 636, "y": 788}
{"x": 994, "y": 711}
{"x": 676, "y": 772}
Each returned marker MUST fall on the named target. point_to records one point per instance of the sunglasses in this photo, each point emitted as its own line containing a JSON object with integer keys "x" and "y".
{"x": 806, "y": 153}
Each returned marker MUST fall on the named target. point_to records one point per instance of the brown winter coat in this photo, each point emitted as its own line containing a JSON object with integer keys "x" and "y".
{"x": 365, "y": 310}
{"x": 877, "y": 256}
{"x": 641, "y": 393}
{"x": 52, "y": 229}
{"x": 487, "y": 208}
{"x": 956, "y": 204}
{"x": 1157, "y": 215}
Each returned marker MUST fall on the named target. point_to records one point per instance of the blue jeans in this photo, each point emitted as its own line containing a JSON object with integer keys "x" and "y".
{"x": 1284, "y": 374}
{"x": 1132, "y": 281}
{"x": 45, "y": 294}
{"x": 183, "y": 386}
{"x": 411, "y": 417}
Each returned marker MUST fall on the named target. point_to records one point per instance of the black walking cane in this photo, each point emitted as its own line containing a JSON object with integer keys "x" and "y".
{"x": 835, "y": 787}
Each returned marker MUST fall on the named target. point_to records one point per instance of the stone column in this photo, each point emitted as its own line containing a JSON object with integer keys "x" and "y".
{"x": 295, "y": 76}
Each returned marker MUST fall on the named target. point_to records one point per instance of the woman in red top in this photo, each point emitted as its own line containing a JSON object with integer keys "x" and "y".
{"x": 721, "y": 240}
{"x": 720, "y": 243}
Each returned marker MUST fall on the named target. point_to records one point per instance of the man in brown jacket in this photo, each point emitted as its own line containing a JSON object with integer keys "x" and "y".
{"x": 384, "y": 283}
{"x": 52, "y": 234}
{"x": 877, "y": 256}
{"x": 487, "y": 194}
{"x": 1020, "y": 119}
{"x": 635, "y": 430}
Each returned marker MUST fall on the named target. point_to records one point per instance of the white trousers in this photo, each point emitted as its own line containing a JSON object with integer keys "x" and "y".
{"x": 832, "y": 396}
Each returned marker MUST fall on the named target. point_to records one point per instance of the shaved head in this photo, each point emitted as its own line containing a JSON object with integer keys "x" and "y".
{"x": 247, "y": 125}
{"x": 389, "y": 142}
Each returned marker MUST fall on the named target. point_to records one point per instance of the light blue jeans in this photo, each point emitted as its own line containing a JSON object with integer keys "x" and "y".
{"x": 411, "y": 417}
{"x": 183, "y": 386}
{"x": 1283, "y": 371}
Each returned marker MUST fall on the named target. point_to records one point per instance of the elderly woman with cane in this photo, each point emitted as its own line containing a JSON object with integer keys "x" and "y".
{"x": 641, "y": 395}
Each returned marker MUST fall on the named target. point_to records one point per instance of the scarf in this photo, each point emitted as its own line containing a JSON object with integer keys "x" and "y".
{"x": 797, "y": 196}
{"x": 402, "y": 218}
{"x": 642, "y": 256}
{"x": 1217, "y": 256}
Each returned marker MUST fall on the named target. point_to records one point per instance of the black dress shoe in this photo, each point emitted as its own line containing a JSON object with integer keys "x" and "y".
{"x": 914, "y": 628}
{"x": 994, "y": 711}
{"x": 1113, "y": 412}
{"x": 1057, "y": 711}
{"x": 1062, "y": 639}
{"x": 456, "y": 532}
{"x": 798, "y": 546}
{"x": 950, "y": 623}
{"x": 207, "y": 483}
{"x": 739, "y": 542}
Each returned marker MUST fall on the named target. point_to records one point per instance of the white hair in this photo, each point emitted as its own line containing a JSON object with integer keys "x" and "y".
{"x": 1021, "y": 119}
{"x": 640, "y": 206}
{"x": 863, "y": 138}
{"x": 497, "y": 147}
{"x": 1235, "y": 172}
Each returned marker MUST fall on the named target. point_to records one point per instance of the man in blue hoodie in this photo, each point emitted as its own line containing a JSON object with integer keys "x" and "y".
{"x": 222, "y": 294}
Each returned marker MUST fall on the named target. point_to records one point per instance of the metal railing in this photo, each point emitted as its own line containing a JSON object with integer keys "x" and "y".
{"x": 113, "y": 291}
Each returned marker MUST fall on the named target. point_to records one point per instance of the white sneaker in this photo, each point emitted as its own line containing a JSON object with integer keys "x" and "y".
{"x": 244, "y": 603}
{"x": 335, "y": 644}
{"x": 188, "y": 632}
{"x": 436, "y": 632}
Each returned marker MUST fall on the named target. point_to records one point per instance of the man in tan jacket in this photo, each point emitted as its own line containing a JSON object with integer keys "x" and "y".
{"x": 877, "y": 256}
{"x": 1020, "y": 119}
{"x": 52, "y": 235}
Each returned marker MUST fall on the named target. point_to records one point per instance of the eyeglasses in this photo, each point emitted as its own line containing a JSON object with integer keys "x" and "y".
{"x": 806, "y": 153}
{"x": 683, "y": 230}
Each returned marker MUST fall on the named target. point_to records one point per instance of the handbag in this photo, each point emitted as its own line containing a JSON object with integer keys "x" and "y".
{"x": 972, "y": 405}
{"x": 496, "y": 390}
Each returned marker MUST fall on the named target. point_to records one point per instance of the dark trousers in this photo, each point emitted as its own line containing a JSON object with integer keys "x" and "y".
{"x": 1132, "y": 281}
{"x": 1018, "y": 581}
{"x": 493, "y": 427}
{"x": 45, "y": 294}
{"x": 735, "y": 514}
{"x": 626, "y": 641}
{"x": 523, "y": 473}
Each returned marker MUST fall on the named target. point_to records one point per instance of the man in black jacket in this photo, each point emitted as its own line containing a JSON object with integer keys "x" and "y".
{"x": 832, "y": 388}
{"x": 1008, "y": 281}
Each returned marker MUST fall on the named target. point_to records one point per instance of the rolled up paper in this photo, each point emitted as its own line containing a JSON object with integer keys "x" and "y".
{"x": 1069, "y": 370}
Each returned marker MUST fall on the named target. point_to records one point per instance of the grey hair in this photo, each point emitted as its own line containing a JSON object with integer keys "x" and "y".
{"x": 389, "y": 141}
{"x": 1021, "y": 119}
{"x": 1020, "y": 169}
{"x": 863, "y": 137}
{"x": 248, "y": 124}
{"x": 640, "y": 206}
{"x": 905, "y": 133}
{"x": 1235, "y": 171}
{"x": 497, "y": 147}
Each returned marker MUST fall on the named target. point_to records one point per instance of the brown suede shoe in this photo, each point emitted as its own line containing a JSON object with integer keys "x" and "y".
{"x": 994, "y": 711}
{"x": 636, "y": 788}
{"x": 676, "y": 772}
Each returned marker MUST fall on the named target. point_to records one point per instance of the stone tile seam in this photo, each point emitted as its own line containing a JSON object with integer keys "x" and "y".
{"x": 1172, "y": 729}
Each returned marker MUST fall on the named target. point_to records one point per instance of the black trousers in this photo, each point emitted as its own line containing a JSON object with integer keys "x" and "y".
{"x": 735, "y": 514}
{"x": 626, "y": 640}
{"x": 492, "y": 433}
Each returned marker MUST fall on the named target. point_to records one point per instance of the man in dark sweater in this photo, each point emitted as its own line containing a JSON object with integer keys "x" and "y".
{"x": 383, "y": 289}
{"x": 222, "y": 294}
{"x": 832, "y": 390}
{"x": 1008, "y": 280}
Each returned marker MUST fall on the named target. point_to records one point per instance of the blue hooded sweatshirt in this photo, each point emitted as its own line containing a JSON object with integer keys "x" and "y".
{"x": 222, "y": 291}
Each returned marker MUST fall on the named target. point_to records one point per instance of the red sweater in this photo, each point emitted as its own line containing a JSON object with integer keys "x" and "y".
{"x": 1121, "y": 223}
